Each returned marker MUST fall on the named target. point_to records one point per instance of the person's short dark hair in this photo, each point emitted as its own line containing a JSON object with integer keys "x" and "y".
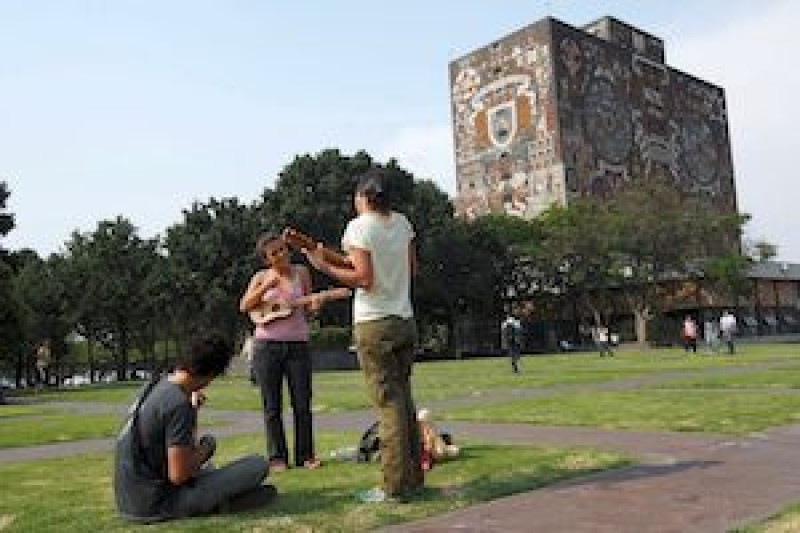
{"x": 374, "y": 186}
{"x": 209, "y": 355}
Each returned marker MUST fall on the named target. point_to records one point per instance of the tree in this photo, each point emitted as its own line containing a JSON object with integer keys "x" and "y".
{"x": 41, "y": 291}
{"x": 109, "y": 270}
{"x": 639, "y": 241}
{"x": 574, "y": 256}
{"x": 314, "y": 194}
{"x": 11, "y": 335}
{"x": 463, "y": 266}
{"x": 210, "y": 258}
{"x": 728, "y": 273}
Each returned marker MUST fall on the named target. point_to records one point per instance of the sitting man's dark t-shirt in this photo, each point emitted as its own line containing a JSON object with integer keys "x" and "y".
{"x": 165, "y": 418}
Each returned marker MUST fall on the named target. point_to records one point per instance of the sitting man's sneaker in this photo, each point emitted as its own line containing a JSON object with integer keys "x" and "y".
{"x": 250, "y": 500}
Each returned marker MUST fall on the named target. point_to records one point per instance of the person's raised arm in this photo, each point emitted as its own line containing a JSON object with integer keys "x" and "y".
{"x": 259, "y": 283}
{"x": 359, "y": 275}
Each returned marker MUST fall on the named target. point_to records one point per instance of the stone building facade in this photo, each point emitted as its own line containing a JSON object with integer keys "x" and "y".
{"x": 553, "y": 111}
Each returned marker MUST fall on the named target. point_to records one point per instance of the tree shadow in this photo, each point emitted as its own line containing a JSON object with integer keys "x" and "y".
{"x": 641, "y": 471}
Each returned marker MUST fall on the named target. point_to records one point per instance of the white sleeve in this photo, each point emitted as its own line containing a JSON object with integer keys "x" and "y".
{"x": 355, "y": 236}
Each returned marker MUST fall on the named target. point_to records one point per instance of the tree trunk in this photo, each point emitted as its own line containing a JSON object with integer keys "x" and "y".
{"x": 641, "y": 317}
{"x": 90, "y": 356}
{"x": 20, "y": 374}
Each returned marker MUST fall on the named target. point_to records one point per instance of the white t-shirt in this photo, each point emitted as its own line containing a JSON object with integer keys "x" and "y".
{"x": 387, "y": 240}
{"x": 727, "y": 323}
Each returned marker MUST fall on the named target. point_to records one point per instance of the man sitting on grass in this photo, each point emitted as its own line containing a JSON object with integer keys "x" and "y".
{"x": 161, "y": 470}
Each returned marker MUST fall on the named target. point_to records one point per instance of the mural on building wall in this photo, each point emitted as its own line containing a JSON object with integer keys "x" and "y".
{"x": 626, "y": 117}
{"x": 505, "y": 129}
{"x": 552, "y": 111}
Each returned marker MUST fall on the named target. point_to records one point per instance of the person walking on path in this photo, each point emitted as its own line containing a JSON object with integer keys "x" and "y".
{"x": 280, "y": 350}
{"x": 602, "y": 339}
{"x": 379, "y": 243}
{"x": 689, "y": 334}
{"x": 161, "y": 469}
{"x": 43, "y": 357}
{"x": 727, "y": 327}
{"x": 711, "y": 336}
{"x": 511, "y": 337}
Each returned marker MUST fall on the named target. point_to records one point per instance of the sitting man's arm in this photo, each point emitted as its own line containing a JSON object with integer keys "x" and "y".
{"x": 184, "y": 455}
{"x": 184, "y": 461}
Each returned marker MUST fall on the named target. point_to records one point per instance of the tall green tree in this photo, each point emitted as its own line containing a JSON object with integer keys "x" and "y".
{"x": 631, "y": 246}
{"x": 11, "y": 336}
{"x": 210, "y": 258}
{"x": 42, "y": 294}
{"x": 113, "y": 265}
{"x": 314, "y": 193}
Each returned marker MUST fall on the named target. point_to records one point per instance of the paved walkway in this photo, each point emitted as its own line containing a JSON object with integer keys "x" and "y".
{"x": 684, "y": 482}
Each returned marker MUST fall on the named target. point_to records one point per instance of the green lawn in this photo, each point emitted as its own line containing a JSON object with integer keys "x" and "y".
{"x": 105, "y": 393}
{"x": 74, "y": 494}
{"x": 8, "y": 412}
{"x": 784, "y": 377}
{"x": 343, "y": 391}
{"x": 645, "y": 409}
{"x": 28, "y": 425}
{"x": 55, "y": 427}
{"x": 786, "y": 521}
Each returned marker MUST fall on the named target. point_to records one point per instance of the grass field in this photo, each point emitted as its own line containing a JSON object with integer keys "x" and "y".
{"x": 75, "y": 494}
{"x": 786, "y": 521}
{"x": 441, "y": 380}
{"x": 645, "y": 409}
{"x": 756, "y": 389}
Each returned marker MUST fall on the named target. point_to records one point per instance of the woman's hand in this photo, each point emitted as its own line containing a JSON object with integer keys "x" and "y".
{"x": 316, "y": 257}
{"x": 315, "y": 304}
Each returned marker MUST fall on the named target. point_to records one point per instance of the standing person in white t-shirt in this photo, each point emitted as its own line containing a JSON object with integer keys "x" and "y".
{"x": 727, "y": 327}
{"x": 380, "y": 246}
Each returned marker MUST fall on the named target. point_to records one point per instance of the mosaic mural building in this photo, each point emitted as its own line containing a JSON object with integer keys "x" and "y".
{"x": 553, "y": 111}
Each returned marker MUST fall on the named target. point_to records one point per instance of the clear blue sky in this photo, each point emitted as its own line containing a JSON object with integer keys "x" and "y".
{"x": 139, "y": 107}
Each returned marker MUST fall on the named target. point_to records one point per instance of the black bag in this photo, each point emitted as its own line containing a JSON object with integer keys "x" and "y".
{"x": 369, "y": 445}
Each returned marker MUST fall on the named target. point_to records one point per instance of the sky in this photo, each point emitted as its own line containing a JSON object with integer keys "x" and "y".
{"x": 140, "y": 107}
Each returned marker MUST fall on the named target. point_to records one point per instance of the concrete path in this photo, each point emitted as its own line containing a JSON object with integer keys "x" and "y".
{"x": 686, "y": 482}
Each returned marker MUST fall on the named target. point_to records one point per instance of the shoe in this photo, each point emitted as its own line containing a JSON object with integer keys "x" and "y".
{"x": 250, "y": 500}
{"x": 277, "y": 465}
{"x": 312, "y": 464}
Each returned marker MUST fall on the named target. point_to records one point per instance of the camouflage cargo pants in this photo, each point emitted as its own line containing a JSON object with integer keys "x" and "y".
{"x": 386, "y": 354}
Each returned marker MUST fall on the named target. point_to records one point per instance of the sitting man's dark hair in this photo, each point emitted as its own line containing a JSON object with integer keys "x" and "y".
{"x": 209, "y": 355}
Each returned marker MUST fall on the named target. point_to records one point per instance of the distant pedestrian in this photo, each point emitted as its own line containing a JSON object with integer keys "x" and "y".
{"x": 602, "y": 339}
{"x": 511, "y": 337}
{"x": 43, "y": 358}
{"x": 727, "y": 327}
{"x": 711, "y": 336}
{"x": 689, "y": 334}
